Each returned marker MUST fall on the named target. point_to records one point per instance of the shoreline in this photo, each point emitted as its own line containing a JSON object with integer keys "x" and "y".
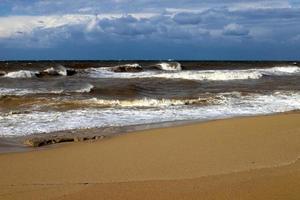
{"x": 48, "y": 140}
{"x": 239, "y": 158}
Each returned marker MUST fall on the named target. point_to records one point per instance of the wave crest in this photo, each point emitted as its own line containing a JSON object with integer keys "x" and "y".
{"x": 21, "y": 74}
{"x": 212, "y": 75}
{"x": 140, "y": 103}
{"x": 171, "y": 66}
{"x": 59, "y": 70}
{"x": 281, "y": 70}
{"x": 201, "y": 75}
{"x": 126, "y": 68}
{"x": 85, "y": 88}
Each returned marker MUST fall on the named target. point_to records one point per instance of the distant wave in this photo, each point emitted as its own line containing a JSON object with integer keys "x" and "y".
{"x": 131, "y": 65}
{"x": 170, "y": 66}
{"x": 201, "y": 75}
{"x": 59, "y": 70}
{"x": 213, "y": 75}
{"x": 52, "y": 71}
{"x": 84, "y": 88}
{"x": 135, "y": 67}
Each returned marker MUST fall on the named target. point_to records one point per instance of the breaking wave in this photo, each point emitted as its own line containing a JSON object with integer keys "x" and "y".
{"x": 85, "y": 88}
{"x": 213, "y": 75}
{"x": 283, "y": 70}
{"x": 125, "y": 68}
{"x": 59, "y": 70}
{"x": 201, "y": 75}
{"x": 21, "y": 74}
{"x": 44, "y": 122}
{"x": 171, "y": 66}
{"x": 52, "y": 71}
{"x": 145, "y": 102}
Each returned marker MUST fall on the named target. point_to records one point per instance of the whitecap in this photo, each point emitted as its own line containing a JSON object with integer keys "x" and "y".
{"x": 59, "y": 70}
{"x": 281, "y": 70}
{"x": 21, "y": 74}
{"x": 200, "y": 75}
{"x": 212, "y": 75}
{"x": 170, "y": 66}
{"x": 85, "y": 88}
{"x": 145, "y": 102}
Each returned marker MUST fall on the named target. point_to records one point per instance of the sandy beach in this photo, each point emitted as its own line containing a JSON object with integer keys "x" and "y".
{"x": 242, "y": 158}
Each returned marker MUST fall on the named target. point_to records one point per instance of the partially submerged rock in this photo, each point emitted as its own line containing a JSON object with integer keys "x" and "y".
{"x": 36, "y": 142}
{"x": 40, "y": 141}
{"x": 2, "y": 73}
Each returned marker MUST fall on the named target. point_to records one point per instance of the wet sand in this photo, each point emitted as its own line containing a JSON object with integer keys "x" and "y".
{"x": 244, "y": 158}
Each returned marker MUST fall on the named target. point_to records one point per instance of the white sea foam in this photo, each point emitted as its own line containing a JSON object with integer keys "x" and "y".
{"x": 200, "y": 75}
{"x": 145, "y": 102}
{"x": 212, "y": 75}
{"x": 21, "y": 74}
{"x": 285, "y": 70}
{"x": 106, "y": 72}
{"x": 132, "y": 65}
{"x": 125, "y": 66}
{"x": 43, "y": 122}
{"x": 59, "y": 70}
{"x": 171, "y": 66}
{"x": 85, "y": 88}
{"x": 24, "y": 91}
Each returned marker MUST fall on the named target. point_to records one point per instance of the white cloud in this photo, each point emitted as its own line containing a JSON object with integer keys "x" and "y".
{"x": 256, "y": 5}
{"x": 16, "y": 26}
{"x": 235, "y": 30}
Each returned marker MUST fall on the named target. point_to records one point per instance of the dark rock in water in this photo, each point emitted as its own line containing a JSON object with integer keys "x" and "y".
{"x": 127, "y": 68}
{"x": 38, "y": 142}
{"x": 42, "y": 141}
{"x": 78, "y": 139}
{"x": 98, "y": 137}
{"x": 19, "y": 112}
{"x": 41, "y": 74}
{"x": 57, "y": 71}
{"x": 71, "y": 72}
{"x": 266, "y": 75}
{"x": 61, "y": 140}
{"x": 35, "y": 142}
{"x": 2, "y": 73}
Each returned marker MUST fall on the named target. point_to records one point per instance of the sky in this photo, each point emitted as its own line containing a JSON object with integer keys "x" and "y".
{"x": 150, "y": 29}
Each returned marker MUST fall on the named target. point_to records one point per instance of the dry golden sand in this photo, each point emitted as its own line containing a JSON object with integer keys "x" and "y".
{"x": 245, "y": 158}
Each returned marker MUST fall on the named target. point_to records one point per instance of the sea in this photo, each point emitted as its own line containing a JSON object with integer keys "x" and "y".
{"x": 42, "y": 97}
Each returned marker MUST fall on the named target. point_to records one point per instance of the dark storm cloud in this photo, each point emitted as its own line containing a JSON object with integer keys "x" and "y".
{"x": 215, "y": 25}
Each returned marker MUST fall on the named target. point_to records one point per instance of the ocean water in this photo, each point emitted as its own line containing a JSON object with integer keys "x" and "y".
{"x": 122, "y": 93}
